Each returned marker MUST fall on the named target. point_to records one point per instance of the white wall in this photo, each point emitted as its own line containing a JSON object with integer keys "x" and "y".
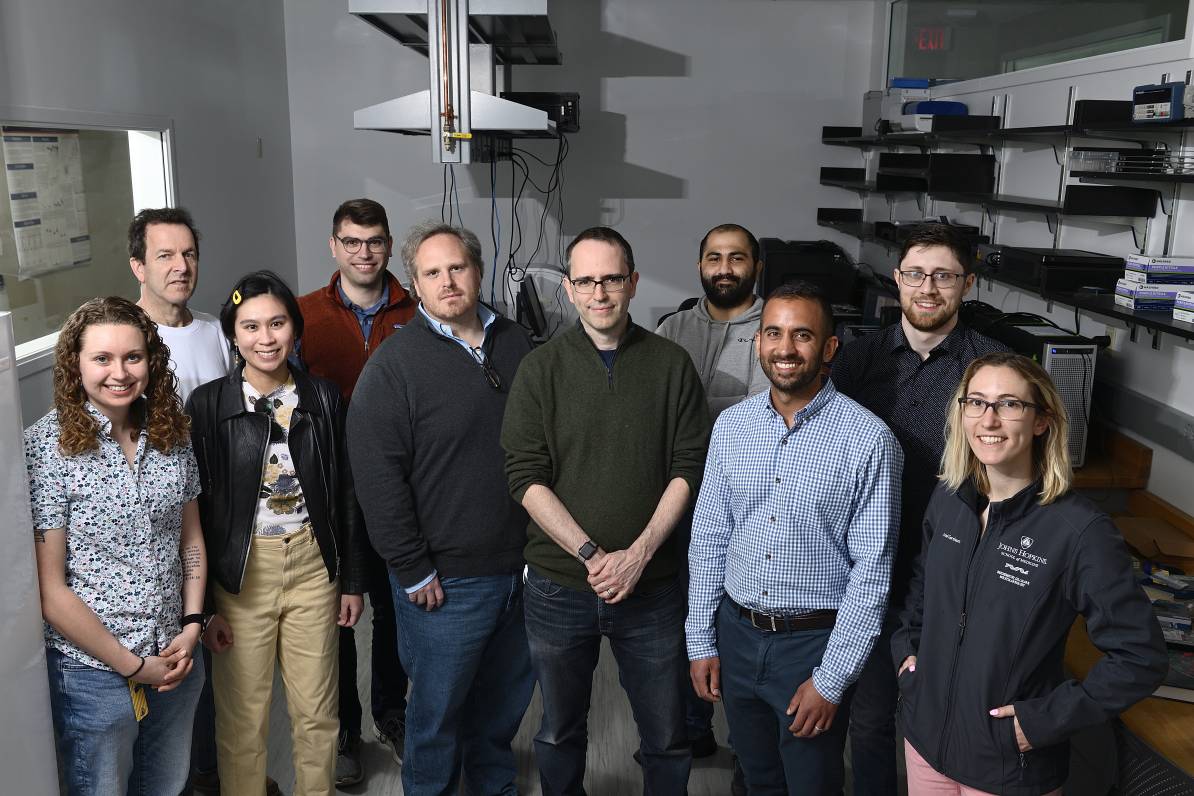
{"x": 1039, "y": 97}
{"x": 693, "y": 113}
{"x": 217, "y": 69}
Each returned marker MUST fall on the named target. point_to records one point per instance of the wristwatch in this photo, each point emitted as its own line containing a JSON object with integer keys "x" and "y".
{"x": 197, "y": 619}
{"x": 587, "y": 550}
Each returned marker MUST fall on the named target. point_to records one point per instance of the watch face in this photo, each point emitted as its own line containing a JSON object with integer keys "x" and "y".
{"x": 587, "y": 550}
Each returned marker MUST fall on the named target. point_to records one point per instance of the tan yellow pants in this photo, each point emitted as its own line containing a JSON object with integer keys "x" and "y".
{"x": 286, "y": 611}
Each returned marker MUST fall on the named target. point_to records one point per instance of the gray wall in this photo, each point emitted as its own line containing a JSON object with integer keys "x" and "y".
{"x": 693, "y": 112}
{"x": 216, "y": 68}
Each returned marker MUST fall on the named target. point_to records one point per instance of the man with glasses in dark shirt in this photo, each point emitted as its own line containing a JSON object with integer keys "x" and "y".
{"x": 906, "y": 374}
{"x": 345, "y": 322}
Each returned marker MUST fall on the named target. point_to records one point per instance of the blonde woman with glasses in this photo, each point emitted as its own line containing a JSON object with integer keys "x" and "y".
{"x": 1012, "y": 555}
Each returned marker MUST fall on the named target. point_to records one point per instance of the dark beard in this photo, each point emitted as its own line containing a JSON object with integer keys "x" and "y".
{"x": 802, "y": 380}
{"x": 727, "y": 297}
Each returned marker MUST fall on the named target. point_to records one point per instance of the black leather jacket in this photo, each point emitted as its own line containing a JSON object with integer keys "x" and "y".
{"x": 230, "y": 443}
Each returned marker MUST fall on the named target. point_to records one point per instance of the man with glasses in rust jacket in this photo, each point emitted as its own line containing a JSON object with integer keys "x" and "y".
{"x": 346, "y": 321}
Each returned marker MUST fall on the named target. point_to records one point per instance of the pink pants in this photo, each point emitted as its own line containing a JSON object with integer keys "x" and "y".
{"x": 924, "y": 780}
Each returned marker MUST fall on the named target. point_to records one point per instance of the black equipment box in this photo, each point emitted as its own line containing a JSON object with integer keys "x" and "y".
{"x": 563, "y": 108}
{"x": 821, "y": 262}
{"x": 1057, "y": 270}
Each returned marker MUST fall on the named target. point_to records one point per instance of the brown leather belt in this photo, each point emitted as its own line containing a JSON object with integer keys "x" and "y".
{"x": 815, "y": 620}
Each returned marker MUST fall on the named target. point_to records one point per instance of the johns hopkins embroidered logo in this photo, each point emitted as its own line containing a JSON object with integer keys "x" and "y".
{"x": 1026, "y": 542}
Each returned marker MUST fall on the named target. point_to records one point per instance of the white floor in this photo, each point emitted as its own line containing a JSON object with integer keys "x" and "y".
{"x": 611, "y": 770}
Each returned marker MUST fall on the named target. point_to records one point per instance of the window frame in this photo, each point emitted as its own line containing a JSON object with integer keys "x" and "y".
{"x": 37, "y": 355}
{"x": 1178, "y": 50}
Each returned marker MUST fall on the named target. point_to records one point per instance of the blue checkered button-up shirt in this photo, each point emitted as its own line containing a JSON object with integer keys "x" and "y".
{"x": 796, "y": 520}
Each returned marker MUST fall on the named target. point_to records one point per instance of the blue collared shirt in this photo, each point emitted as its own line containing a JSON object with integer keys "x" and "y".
{"x": 487, "y": 317}
{"x": 790, "y": 521}
{"x": 365, "y": 315}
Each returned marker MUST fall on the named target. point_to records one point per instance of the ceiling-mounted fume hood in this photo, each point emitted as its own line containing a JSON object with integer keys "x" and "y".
{"x": 464, "y": 42}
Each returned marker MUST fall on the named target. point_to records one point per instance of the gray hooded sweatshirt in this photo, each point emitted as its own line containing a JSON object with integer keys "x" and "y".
{"x": 723, "y": 352}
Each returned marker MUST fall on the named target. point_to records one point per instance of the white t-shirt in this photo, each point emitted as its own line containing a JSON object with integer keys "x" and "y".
{"x": 199, "y": 352}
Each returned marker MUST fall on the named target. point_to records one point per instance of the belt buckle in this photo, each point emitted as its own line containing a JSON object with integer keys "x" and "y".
{"x": 754, "y": 620}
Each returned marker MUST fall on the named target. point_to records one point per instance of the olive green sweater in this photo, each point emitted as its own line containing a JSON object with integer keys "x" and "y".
{"x": 607, "y": 442}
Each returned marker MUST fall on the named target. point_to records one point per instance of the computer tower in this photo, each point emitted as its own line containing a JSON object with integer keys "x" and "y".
{"x": 1071, "y": 366}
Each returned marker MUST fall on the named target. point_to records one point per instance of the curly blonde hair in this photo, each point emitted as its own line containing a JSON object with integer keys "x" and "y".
{"x": 160, "y": 414}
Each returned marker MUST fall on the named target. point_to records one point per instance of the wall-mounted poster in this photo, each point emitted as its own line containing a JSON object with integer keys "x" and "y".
{"x": 44, "y": 182}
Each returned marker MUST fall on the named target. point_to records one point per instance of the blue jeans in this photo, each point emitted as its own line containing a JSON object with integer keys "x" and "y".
{"x": 872, "y": 720}
{"x": 102, "y": 748}
{"x": 760, "y": 671}
{"x": 646, "y": 633}
{"x": 471, "y": 683}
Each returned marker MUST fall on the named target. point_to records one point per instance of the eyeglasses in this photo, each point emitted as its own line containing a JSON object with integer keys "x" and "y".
{"x": 612, "y": 284}
{"x": 1005, "y": 408}
{"x": 265, "y": 406}
{"x": 353, "y": 245}
{"x": 491, "y": 375}
{"x": 942, "y": 279}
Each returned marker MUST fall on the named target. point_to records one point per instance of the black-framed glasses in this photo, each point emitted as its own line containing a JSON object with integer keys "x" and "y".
{"x": 353, "y": 245}
{"x": 491, "y": 374}
{"x": 942, "y": 279}
{"x": 612, "y": 284}
{"x": 1005, "y": 408}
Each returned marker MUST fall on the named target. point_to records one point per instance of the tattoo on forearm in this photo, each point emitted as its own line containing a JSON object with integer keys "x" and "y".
{"x": 191, "y": 558}
{"x": 39, "y": 536}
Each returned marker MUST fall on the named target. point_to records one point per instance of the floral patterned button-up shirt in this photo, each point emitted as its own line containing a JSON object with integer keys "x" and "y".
{"x": 123, "y": 525}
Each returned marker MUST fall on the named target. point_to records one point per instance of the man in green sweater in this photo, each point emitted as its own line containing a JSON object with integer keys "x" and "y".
{"x": 605, "y": 435}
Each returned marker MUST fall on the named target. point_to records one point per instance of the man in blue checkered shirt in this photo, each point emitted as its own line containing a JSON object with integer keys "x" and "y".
{"x": 792, "y": 545}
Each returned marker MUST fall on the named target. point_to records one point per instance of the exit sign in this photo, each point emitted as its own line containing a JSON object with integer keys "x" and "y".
{"x": 931, "y": 39}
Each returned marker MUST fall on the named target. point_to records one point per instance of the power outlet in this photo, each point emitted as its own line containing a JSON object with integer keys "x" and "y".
{"x": 1117, "y": 338}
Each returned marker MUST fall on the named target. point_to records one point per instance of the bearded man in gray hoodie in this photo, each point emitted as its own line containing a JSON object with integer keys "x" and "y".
{"x": 718, "y": 333}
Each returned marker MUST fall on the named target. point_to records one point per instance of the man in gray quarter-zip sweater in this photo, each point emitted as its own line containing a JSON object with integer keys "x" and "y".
{"x": 605, "y": 435}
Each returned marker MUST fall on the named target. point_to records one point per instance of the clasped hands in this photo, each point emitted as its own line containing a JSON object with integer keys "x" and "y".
{"x": 613, "y": 576}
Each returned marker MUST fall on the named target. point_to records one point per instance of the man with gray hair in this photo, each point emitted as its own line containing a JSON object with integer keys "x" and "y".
{"x": 423, "y": 430}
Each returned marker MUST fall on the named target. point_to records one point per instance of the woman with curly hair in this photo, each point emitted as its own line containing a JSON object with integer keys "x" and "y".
{"x": 120, "y": 555}
{"x": 285, "y": 541}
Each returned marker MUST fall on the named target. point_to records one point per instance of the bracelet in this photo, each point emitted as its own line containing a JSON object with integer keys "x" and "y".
{"x": 140, "y": 666}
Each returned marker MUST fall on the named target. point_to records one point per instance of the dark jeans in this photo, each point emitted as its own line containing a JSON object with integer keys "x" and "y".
{"x": 760, "y": 671}
{"x": 471, "y": 684}
{"x": 698, "y": 714}
{"x": 203, "y": 743}
{"x": 872, "y": 720}
{"x": 646, "y": 634}
{"x": 388, "y": 681}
